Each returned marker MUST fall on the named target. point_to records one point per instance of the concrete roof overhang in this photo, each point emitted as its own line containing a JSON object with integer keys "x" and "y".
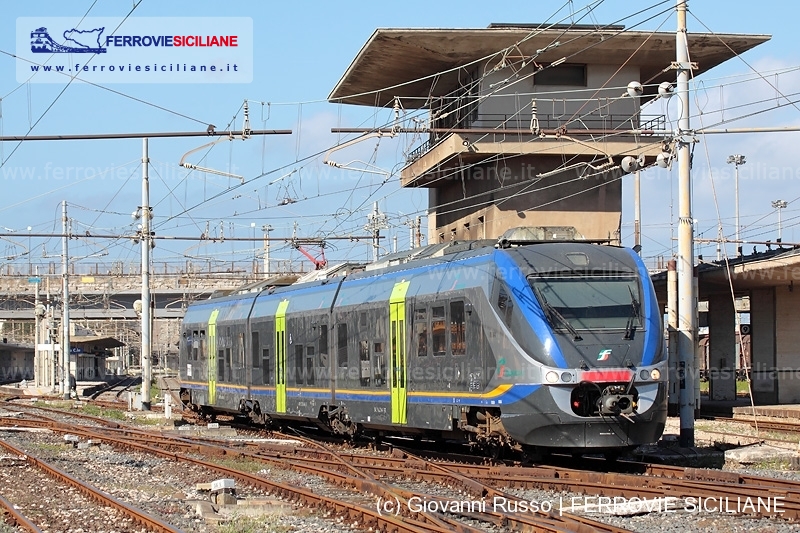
{"x": 776, "y": 268}
{"x": 392, "y": 59}
{"x": 95, "y": 342}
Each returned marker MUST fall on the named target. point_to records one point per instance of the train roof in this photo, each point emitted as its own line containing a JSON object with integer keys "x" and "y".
{"x": 433, "y": 269}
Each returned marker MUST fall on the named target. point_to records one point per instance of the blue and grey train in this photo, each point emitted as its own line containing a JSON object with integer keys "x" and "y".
{"x": 539, "y": 347}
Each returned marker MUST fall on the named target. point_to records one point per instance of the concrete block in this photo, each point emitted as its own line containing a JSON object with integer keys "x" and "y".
{"x": 224, "y": 498}
{"x": 759, "y": 454}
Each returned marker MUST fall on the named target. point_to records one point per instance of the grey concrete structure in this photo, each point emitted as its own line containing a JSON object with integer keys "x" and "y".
{"x": 722, "y": 347}
{"x": 520, "y": 117}
{"x": 768, "y": 279}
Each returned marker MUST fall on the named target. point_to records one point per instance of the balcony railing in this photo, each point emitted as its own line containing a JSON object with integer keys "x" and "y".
{"x": 594, "y": 122}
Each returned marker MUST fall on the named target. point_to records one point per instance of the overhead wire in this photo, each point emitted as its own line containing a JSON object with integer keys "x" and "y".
{"x": 58, "y": 96}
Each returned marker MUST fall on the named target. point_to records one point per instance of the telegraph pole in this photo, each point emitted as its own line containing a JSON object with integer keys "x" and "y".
{"x": 376, "y": 222}
{"x": 687, "y": 306}
{"x": 65, "y": 304}
{"x": 266, "y": 228}
{"x": 38, "y": 367}
{"x": 146, "y": 217}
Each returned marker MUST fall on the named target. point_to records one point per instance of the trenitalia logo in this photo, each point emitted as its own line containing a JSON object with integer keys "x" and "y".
{"x": 143, "y": 50}
{"x": 604, "y": 355}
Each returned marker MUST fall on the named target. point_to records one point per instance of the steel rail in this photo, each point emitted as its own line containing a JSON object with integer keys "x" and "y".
{"x": 16, "y": 517}
{"x": 139, "y": 516}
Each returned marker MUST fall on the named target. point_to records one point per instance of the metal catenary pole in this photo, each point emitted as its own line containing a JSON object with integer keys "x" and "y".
{"x": 687, "y": 304}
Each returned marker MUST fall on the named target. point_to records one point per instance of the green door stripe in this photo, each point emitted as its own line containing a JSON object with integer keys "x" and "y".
{"x": 397, "y": 336}
{"x": 212, "y": 357}
{"x": 280, "y": 357}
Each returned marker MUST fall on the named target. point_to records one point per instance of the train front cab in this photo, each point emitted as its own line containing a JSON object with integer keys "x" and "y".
{"x": 600, "y": 366}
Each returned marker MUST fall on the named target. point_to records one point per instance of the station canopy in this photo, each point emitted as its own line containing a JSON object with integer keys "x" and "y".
{"x": 407, "y": 62}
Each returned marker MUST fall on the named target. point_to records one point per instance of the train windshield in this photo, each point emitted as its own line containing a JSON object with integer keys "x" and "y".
{"x": 589, "y": 302}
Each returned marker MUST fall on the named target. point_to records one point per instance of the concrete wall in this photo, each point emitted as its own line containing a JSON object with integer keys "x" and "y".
{"x": 16, "y": 364}
{"x": 762, "y": 321}
{"x": 560, "y": 102}
{"x": 787, "y": 344}
{"x": 722, "y": 348}
{"x": 508, "y": 194}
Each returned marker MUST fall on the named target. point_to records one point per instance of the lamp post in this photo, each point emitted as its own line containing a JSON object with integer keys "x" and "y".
{"x": 737, "y": 160}
{"x": 779, "y": 204}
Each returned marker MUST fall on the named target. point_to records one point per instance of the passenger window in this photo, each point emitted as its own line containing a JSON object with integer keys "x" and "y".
{"x": 421, "y": 331}
{"x": 323, "y": 345}
{"x": 438, "y": 332}
{"x": 298, "y": 363}
{"x": 505, "y": 304}
{"x": 380, "y": 365}
{"x": 309, "y": 365}
{"x": 363, "y": 358}
{"x": 458, "y": 343}
{"x": 256, "y": 350}
{"x": 341, "y": 332}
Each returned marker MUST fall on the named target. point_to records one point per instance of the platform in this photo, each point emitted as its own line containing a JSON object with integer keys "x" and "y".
{"x": 722, "y": 407}
{"x": 772, "y": 411}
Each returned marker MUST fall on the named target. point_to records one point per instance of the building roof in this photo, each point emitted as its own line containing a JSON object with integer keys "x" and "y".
{"x": 392, "y": 57}
{"x": 760, "y": 270}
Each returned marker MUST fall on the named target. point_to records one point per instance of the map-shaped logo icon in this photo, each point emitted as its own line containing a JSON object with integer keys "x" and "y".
{"x": 75, "y": 41}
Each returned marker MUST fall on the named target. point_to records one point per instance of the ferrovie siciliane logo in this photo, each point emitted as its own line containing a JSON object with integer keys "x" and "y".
{"x": 75, "y": 42}
{"x": 135, "y": 50}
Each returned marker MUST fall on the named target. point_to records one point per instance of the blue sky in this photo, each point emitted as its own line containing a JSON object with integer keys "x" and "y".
{"x": 301, "y": 49}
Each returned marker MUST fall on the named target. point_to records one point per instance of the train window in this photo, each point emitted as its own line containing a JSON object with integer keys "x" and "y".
{"x": 255, "y": 349}
{"x": 438, "y": 336}
{"x": 590, "y": 302}
{"x": 201, "y": 354}
{"x": 505, "y": 304}
{"x": 421, "y": 331}
{"x": 380, "y": 365}
{"x": 240, "y": 351}
{"x": 265, "y": 362}
{"x": 221, "y": 365}
{"x": 195, "y": 348}
{"x": 458, "y": 340}
{"x": 363, "y": 319}
{"x": 364, "y": 364}
{"x": 298, "y": 363}
{"x": 323, "y": 345}
{"x": 341, "y": 334}
{"x": 309, "y": 365}
{"x": 228, "y": 363}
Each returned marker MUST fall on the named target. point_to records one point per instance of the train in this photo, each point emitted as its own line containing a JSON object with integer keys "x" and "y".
{"x": 534, "y": 347}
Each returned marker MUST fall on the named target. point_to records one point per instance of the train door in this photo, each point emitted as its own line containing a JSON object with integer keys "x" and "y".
{"x": 212, "y": 357}
{"x": 280, "y": 357}
{"x": 397, "y": 351}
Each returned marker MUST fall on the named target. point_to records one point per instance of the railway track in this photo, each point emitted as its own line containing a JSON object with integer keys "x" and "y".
{"x": 339, "y": 472}
{"x": 383, "y": 477}
{"x": 62, "y": 501}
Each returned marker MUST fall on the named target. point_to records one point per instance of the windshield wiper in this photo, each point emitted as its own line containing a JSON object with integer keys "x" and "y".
{"x": 553, "y": 312}
{"x": 630, "y": 327}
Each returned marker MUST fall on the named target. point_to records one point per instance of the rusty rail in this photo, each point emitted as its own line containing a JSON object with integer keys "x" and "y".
{"x": 139, "y": 516}
{"x": 16, "y": 518}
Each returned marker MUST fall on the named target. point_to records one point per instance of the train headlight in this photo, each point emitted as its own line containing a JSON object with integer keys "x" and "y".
{"x": 655, "y": 374}
{"x": 566, "y": 377}
{"x": 551, "y": 377}
{"x": 644, "y": 374}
